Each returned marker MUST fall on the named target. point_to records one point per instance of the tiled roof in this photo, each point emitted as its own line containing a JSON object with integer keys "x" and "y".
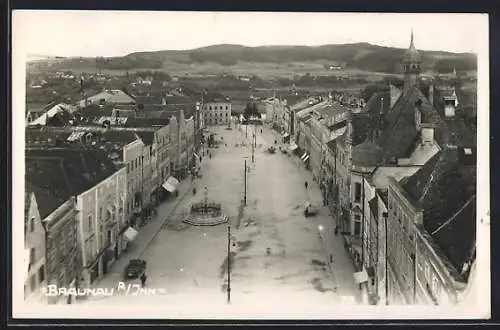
{"x": 400, "y": 131}
{"x": 367, "y": 154}
{"x": 47, "y": 202}
{"x": 146, "y": 137}
{"x": 442, "y": 187}
{"x": 148, "y": 100}
{"x": 326, "y": 109}
{"x": 209, "y": 97}
{"x": 362, "y": 124}
{"x": 458, "y": 237}
{"x": 146, "y": 122}
{"x": 69, "y": 171}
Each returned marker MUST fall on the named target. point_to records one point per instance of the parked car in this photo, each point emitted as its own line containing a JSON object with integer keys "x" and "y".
{"x": 134, "y": 269}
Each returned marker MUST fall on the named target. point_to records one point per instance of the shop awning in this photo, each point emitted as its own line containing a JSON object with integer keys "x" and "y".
{"x": 361, "y": 277}
{"x": 130, "y": 234}
{"x": 303, "y": 156}
{"x": 305, "y": 159}
{"x": 171, "y": 184}
{"x": 292, "y": 147}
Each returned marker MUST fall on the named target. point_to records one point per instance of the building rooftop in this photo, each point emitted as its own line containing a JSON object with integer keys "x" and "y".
{"x": 412, "y": 55}
{"x": 46, "y": 202}
{"x": 400, "y": 131}
{"x": 146, "y": 122}
{"x": 67, "y": 171}
{"x": 147, "y": 137}
{"x": 367, "y": 154}
{"x": 444, "y": 188}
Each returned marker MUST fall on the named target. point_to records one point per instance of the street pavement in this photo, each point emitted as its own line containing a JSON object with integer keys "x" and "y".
{"x": 277, "y": 255}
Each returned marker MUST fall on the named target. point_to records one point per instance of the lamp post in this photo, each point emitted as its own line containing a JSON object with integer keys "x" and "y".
{"x": 253, "y": 147}
{"x": 229, "y": 264}
{"x": 245, "y": 184}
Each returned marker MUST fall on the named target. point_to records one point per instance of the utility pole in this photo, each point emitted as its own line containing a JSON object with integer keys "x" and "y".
{"x": 245, "y": 183}
{"x": 229, "y": 264}
{"x": 253, "y": 147}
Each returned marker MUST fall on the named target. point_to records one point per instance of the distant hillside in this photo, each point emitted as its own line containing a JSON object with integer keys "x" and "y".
{"x": 361, "y": 56}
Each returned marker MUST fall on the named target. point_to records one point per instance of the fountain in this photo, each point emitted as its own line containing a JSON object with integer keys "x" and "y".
{"x": 206, "y": 213}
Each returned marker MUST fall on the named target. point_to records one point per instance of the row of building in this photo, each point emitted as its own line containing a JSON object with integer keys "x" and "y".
{"x": 399, "y": 176}
{"x": 89, "y": 187}
{"x": 95, "y": 171}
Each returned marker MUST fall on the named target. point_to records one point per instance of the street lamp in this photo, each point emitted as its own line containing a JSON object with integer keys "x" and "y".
{"x": 229, "y": 263}
{"x": 245, "y": 184}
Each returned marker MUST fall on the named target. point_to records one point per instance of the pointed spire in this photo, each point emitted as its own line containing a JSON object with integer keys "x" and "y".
{"x": 412, "y": 45}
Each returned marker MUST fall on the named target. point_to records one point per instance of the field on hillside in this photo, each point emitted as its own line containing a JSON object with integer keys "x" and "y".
{"x": 262, "y": 70}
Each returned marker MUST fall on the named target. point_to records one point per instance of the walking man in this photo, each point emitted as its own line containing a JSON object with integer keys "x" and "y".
{"x": 143, "y": 279}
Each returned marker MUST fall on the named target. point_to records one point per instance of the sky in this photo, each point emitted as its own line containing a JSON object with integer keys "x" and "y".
{"x": 114, "y": 33}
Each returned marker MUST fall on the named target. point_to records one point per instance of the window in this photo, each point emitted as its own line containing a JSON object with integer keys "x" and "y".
{"x": 32, "y": 224}
{"x": 100, "y": 212}
{"x": 41, "y": 274}
{"x": 91, "y": 225}
{"x": 32, "y": 256}
{"x": 357, "y": 228}
{"x": 357, "y": 192}
{"x": 32, "y": 282}
{"x": 128, "y": 168}
{"x": 227, "y": 108}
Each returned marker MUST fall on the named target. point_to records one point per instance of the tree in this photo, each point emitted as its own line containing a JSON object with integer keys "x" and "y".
{"x": 247, "y": 113}
{"x": 371, "y": 89}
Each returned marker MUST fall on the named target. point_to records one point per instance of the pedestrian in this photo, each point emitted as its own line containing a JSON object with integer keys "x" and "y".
{"x": 144, "y": 277}
{"x": 306, "y": 184}
{"x": 331, "y": 258}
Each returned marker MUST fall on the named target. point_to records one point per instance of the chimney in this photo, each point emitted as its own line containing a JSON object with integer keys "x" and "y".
{"x": 427, "y": 134}
{"x": 449, "y": 108}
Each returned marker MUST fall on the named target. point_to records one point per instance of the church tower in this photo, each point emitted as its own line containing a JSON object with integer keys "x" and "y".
{"x": 412, "y": 66}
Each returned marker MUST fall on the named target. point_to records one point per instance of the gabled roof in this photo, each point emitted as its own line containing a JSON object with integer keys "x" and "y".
{"x": 443, "y": 187}
{"x": 68, "y": 171}
{"x": 400, "y": 130}
{"x": 47, "y": 202}
{"x": 367, "y": 154}
{"x": 146, "y": 137}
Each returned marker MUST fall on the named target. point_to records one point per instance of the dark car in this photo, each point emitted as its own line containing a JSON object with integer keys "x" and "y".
{"x": 134, "y": 269}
